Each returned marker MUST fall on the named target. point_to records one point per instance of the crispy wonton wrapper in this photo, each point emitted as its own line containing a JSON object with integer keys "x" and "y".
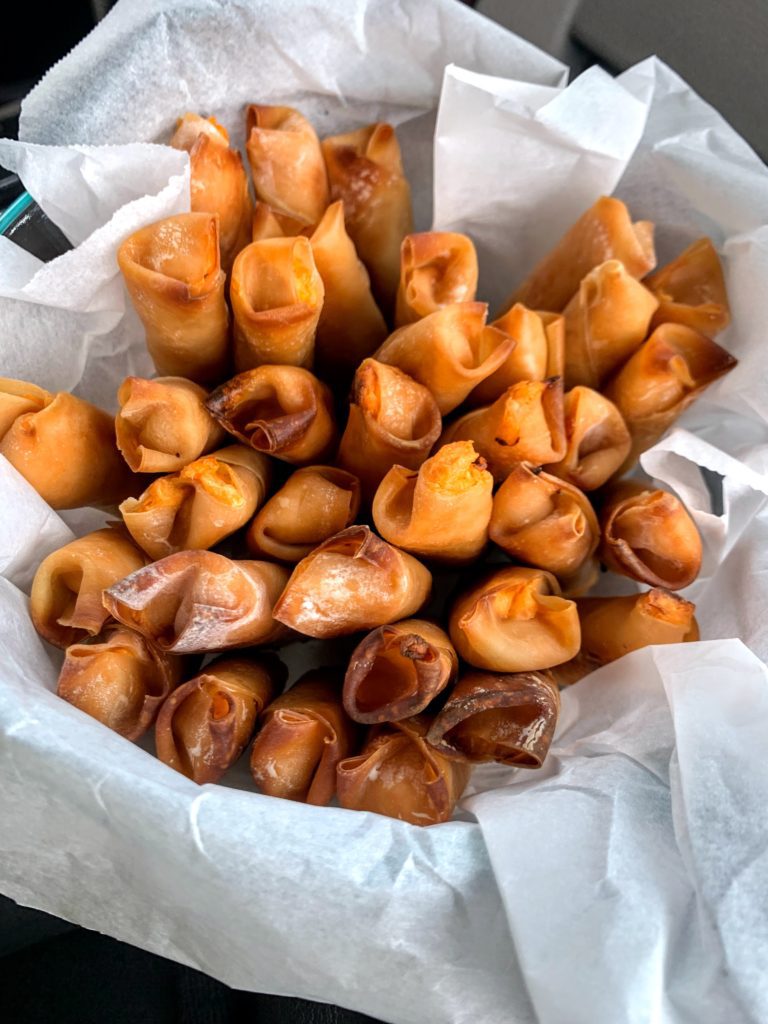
{"x": 397, "y": 670}
{"x": 312, "y": 505}
{"x": 658, "y": 383}
{"x": 365, "y": 170}
{"x": 449, "y": 351}
{"x": 441, "y": 510}
{"x": 514, "y": 620}
{"x": 163, "y": 424}
{"x": 649, "y": 536}
{"x": 597, "y": 440}
{"x": 119, "y": 678}
{"x": 268, "y": 223}
{"x": 198, "y": 601}
{"x": 400, "y": 775}
{"x": 437, "y": 268}
{"x": 205, "y": 725}
{"x": 283, "y": 411}
{"x": 605, "y": 322}
{"x": 393, "y": 420}
{"x": 691, "y": 290}
{"x": 510, "y": 719}
{"x": 173, "y": 274}
{"x": 538, "y": 352}
{"x": 277, "y": 295}
{"x": 287, "y": 163}
{"x": 65, "y": 600}
{"x": 604, "y": 232}
{"x": 303, "y": 736}
{"x": 352, "y": 581}
{"x": 201, "y": 504}
{"x": 544, "y": 521}
{"x": 218, "y": 182}
{"x": 63, "y": 446}
{"x": 525, "y": 424}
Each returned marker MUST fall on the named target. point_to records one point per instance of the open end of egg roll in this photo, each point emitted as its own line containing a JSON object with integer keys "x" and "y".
{"x": 437, "y": 268}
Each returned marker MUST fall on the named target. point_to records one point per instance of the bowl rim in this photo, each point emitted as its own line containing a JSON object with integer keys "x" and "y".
{"x": 14, "y": 211}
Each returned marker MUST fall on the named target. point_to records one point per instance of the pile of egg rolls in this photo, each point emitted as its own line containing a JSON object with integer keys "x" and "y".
{"x": 339, "y": 444}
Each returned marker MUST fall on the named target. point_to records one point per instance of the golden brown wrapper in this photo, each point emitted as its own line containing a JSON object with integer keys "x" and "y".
{"x": 63, "y": 446}
{"x": 393, "y": 420}
{"x": 365, "y": 170}
{"x": 437, "y": 268}
{"x": 198, "y": 601}
{"x": 658, "y": 383}
{"x": 172, "y": 270}
{"x": 449, "y": 351}
{"x": 514, "y": 620}
{"x": 649, "y": 536}
{"x": 287, "y": 163}
{"x": 218, "y": 182}
{"x": 283, "y": 411}
{"x": 544, "y": 521}
{"x": 597, "y": 440}
{"x": 510, "y": 719}
{"x": 268, "y": 223}
{"x": 163, "y": 424}
{"x": 312, "y": 505}
{"x": 441, "y": 510}
{"x": 352, "y": 581}
{"x": 605, "y": 322}
{"x": 200, "y": 505}
{"x": 65, "y": 600}
{"x": 400, "y": 775}
{"x": 204, "y": 725}
{"x": 303, "y": 736}
{"x": 276, "y": 295}
{"x": 397, "y": 670}
{"x": 691, "y": 290}
{"x": 538, "y": 352}
{"x": 604, "y": 232}
{"x": 526, "y": 424}
{"x": 119, "y": 678}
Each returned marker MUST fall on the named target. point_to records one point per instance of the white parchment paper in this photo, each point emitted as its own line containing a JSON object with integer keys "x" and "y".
{"x": 626, "y": 881}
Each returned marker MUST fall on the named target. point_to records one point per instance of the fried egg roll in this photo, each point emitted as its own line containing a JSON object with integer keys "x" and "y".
{"x": 352, "y": 581}
{"x": 63, "y": 446}
{"x": 393, "y": 420}
{"x": 649, "y": 536}
{"x": 437, "y": 268}
{"x": 397, "y": 670}
{"x": 365, "y": 170}
{"x": 514, "y": 620}
{"x": 173, "y": 274}
{"x": 658, "y": 383}
{"x": 163, "y": 424}
{"x": 205, "y": 724}
{"x": 198, "y": 601}
{"x": 312, "y": 505}
{"x": 605, "y": 322}
{"x": 538, "y": 352}
{"x": 597, "y": 440}
{"x": 441, "y": 510}
{"x": 267, "y": 223}
{"x": 283, "y": 411}
{"x": 303, "y": 735}
{"x": 525, "y": 424}
{"x": 544, "y": 521}
{"x": 449, "y": 351}
{"x": 510, "y": 719}
{"x": 287, "y": 163}
{"x": 604, "y": 232}
{"x": 200, "y": 505}
{"x": 691, "y": 290}
{"x": 400, "y": 775}
{"x": 276, "y": 295}
{"x": 65, "y": 600}
{"x": 119, "y": 678}
{"x": 218, "y": 182}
